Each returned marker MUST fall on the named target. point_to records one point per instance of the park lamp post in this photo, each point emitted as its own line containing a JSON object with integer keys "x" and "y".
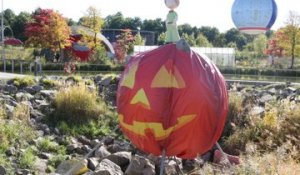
{"x": 2, "y": 29}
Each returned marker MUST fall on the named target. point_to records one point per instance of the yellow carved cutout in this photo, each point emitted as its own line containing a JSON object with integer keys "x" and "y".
{"x": 166, "y": 79}
{"x": 159, "y": 132}
{"x": 129, "y": 78}
{"x": 141, "y": 98}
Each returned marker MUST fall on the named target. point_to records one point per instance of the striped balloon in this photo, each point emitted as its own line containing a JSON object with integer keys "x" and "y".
{"x": 254, "y": 16}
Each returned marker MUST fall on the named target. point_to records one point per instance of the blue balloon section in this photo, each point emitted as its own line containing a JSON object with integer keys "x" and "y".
{"x": 254, "y": 16}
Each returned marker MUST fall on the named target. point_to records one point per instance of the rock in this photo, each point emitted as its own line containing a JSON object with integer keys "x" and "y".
{"x": 20, "y": 96}
{"x": 98, "y": 79}
{"x": 11, "y": 89}
{"x": 95, "y": 142}
{"x": 48, "y": 94}
{"x": 118, "y": 147}
{"x": 93, "y": 163}
{"x": 272, "y": 91}
{"x": 7, "y": 99}
{"x": 101, "y": 152}
{"x": 9, "y": 111}
{"x": 36, "y": 115}
{"x": 106, "y": 81}
{"x": 266, "y": 98}
{"x": 107, "y": 167}
{"x": 86, "y": 148}
{"x": 138, "y": 164}
{"x": 33, "y": 89}
{"x": 120, "y": 158}
{"x": 291, "y": 89}
{"x": 257, "y": 110}
{"x": 10, "y": 152}
{"x": 84, "y": 140}
{"x": 45, "y": 155}
{"x": 109, "y": 141}
{"x": 56, "y": 131}
{"x": 77, "y": 165}
{"x": 40, "y": 166}
{"x": 2, "y": 170}
{"x": 23, "y": 172}
{"x": 72, "y": 147}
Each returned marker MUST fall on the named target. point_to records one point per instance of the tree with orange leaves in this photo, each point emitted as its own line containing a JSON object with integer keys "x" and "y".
{"x": 48, "y": 30}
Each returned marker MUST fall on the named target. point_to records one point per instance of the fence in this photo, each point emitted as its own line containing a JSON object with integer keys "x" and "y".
{"x": 220, "y": 56}
{"x": 21, "y": 66}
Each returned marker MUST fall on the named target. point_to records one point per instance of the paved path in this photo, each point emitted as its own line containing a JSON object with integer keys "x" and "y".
{"x": 9, "y": 75}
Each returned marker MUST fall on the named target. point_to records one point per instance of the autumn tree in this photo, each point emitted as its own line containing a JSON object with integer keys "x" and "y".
{"x": 289, "y": 37}
{"x": 92, "y": 20}
{"x": 273, "y": 48}
{"x": 124, "y": 44}
{"x": 48, "y": 29}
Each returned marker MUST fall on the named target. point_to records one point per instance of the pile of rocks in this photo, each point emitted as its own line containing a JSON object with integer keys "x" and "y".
{"x": 113, "y": 156}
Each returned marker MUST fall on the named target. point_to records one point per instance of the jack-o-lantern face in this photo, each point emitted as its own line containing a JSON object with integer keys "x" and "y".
{"x": 172, "y": 100}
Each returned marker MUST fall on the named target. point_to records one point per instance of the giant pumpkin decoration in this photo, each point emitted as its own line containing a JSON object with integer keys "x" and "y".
{"x": 172, "y": 100}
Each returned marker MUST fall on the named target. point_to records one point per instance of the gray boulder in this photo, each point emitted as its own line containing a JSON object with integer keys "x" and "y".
{"x": 139, "y": 166}
{"x": 11, "y": 89}
{"x": 120, "y": 158}
{"x": 2, "y": 170}
{"x": 93, "y": 163}
{"x": 107, "y": 167}
{"x": 101, "y": 152}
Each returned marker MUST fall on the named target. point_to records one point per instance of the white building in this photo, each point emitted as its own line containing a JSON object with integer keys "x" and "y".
{"x": 224, "y": 57}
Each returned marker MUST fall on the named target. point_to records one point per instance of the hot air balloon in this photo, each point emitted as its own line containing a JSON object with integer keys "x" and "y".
{"x": 172, "y": 101}
{"x": 254, "y": 16}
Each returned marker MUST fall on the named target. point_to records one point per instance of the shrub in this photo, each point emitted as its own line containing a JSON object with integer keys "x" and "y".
{"x": 77, "y": 104}
{"x": 24, "y": 81}
{"x": 14, "y": 132}
{"x": 48, "y": 83}
{"x": 47, "y": 145}
{"x": 22, "y": 112}
{"x": 27, "y": 158}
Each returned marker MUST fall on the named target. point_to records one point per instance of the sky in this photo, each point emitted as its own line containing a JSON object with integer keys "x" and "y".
{"x": 213, "y": 13}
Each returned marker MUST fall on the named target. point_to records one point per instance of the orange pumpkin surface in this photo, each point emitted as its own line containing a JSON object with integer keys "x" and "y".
{"x": 172, "y": 100}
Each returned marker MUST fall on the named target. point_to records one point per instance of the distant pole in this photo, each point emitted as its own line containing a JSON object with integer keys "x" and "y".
{"x": 2, "y": 30}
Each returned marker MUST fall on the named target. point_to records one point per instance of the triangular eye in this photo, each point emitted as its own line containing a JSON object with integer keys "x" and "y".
{"x": 141, "y": 98}
{"x": 168, "y": 79}
{"x": 129, "y": 77}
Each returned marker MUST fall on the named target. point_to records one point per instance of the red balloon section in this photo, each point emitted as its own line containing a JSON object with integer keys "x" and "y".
{"x": 172, "y": 100}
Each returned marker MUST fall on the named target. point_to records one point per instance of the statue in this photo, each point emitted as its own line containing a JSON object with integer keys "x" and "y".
{"x": 172, "y": 35}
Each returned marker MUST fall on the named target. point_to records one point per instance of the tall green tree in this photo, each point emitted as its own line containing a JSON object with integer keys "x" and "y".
{"x": 190, "y": 39}
{"x": 115, "y": 21}
{"x": 260, "y": 44}
{"x": 211, "y": 33}
{"x": 289, "y": 37}
{"x": 202, "y": 41}
{"x": 48, "y": 29}
{"x": 18, "y": 25}
{"x": 93, "y": 21}
{"x": 235, "y": 36}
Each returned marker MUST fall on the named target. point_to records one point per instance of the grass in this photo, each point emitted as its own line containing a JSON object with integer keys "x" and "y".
{"x": 24, "y": 81}
{"x": 79, "y": 110}
{"x": 27, "y": 158}
{"x": 48, "y": 83}
{"x": 278, "y": 127}
{"x": 48, "y": 145}
{"x": 77, "y": 104}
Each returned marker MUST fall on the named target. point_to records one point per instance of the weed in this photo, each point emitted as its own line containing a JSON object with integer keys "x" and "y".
{"x": 24, "y": 81}
{"x": 78, "y": 104}
{"x": 27, "y": 158}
